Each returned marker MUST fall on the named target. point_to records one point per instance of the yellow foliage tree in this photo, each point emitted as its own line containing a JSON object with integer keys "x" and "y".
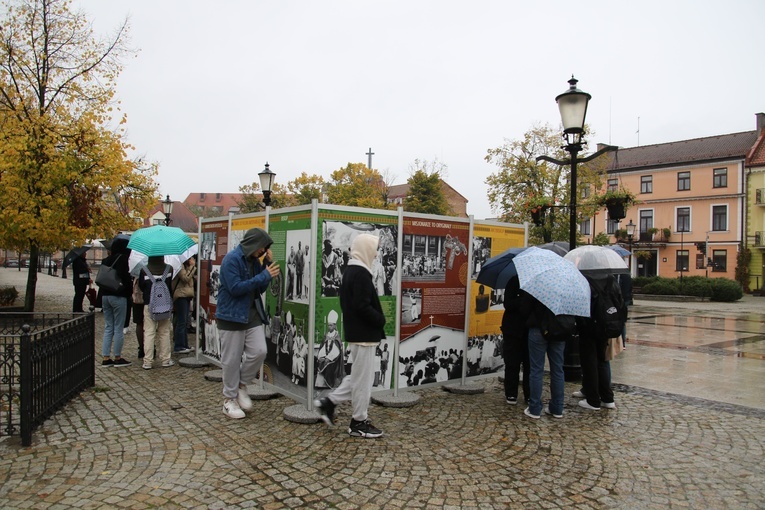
{"x": 356, "y": 185}
{"x": 65, "y": 175}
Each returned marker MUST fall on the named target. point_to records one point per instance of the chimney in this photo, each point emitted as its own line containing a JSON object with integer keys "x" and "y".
{"x": 760, "y": 122}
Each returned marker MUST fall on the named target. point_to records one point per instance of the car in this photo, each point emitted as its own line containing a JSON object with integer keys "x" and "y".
{"x": 11, "y": 263}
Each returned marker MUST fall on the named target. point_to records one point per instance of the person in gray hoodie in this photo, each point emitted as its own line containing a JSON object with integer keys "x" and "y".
{"x": 363, "y": 324}
{"x": 240, "y": 317}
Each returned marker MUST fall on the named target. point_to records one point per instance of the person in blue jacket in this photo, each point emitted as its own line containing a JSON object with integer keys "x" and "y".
{"x": 240, "y": 317}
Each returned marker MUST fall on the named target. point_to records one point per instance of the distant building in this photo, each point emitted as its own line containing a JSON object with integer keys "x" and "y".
{"x": 209, "y": 205}
{"x": 181, "y": 217}
{"x": 457, "y": 203}
{"x": 696, "y": 192}
{"x": 755, "y": 217}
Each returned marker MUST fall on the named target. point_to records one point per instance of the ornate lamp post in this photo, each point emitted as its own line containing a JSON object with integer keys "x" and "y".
{"x": 630, "y": 235}
{"x": 266, "y": 182}
{"x": 573, "y": 111}
{"x": 167, "y": 207}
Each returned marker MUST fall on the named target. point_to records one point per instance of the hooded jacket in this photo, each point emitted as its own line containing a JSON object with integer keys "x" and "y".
{"x": 363, "y": 318}
{"x": 243, "y": 279}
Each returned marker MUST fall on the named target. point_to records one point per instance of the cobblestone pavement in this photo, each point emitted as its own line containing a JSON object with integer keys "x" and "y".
{"x": 158, "y": 438}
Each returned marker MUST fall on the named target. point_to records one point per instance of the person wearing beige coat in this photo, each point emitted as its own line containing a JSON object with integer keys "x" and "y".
{"x": 182, "y": 296}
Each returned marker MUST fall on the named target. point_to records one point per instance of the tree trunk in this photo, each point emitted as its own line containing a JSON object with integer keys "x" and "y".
{"x": 29, "y": 298}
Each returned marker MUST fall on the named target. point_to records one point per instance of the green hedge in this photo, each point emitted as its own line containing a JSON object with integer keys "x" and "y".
{"x": 716, "y": 289}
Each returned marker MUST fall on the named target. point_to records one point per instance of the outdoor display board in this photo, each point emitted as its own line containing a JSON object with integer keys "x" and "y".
{"x": 424, "y": 274}
{"x": 434, "y": 277}
{"x": 213, "y": 246}
{"x": 486, "y": 305}
{"x": 337, "y": 228}
{"x": 287, "y": 301}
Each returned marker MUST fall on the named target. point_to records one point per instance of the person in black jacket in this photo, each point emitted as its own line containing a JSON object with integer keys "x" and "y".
{"x": 81, "y": 280}
{"x": 115, "y": 306}
{"x": 515, "y": 344}
{"x": 363, "y": 323}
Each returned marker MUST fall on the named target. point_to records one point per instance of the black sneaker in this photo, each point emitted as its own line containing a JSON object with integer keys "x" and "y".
{"x": 326, "y": 409}
{"x": 364, "y": 429}
{"x": 107, "y": 363}
{"x": 122, "y": 362}
{"x": 511, "y": 400}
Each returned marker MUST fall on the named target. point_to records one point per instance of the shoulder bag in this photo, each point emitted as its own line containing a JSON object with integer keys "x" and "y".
{"x": 108, "y": 278}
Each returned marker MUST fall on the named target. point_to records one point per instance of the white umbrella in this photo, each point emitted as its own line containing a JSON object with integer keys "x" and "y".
{"x": 138, "y": 259}
{"x": 593, "y": 260}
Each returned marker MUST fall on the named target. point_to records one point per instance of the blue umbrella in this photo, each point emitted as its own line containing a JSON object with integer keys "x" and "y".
{"x": 620, "y": 250}
{"x": 498, "y": 270}
{"x": 554, "y": 281}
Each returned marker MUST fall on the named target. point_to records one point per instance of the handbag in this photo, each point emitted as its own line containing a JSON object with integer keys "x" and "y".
{"x": 92, "y": 295}
{"x": 613, "y": 348}
{"x": 108, "y": 278}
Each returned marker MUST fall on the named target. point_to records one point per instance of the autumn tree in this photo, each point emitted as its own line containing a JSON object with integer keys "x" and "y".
{"x": 426, "y": 193}
{"x": 252, "y": 198}
{"x": 522, "y": 184}
{"x": 65, "y": 175}
{"x": 357, "y": 185}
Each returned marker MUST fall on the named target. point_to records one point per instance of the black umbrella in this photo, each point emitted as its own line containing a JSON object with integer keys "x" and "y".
{"x": 74, "y": 253}
{"x": 120, "y": 239}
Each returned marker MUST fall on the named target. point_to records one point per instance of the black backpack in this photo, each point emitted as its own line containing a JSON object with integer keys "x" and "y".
{"x": 556, "y": 328}
{"x": 608, "y": 313}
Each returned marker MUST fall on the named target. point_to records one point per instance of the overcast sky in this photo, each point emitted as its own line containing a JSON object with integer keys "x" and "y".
{"x": 220, "y": 87}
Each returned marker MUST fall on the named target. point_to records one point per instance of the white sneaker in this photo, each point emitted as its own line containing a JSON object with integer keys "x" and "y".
{"x": 608, "y": 405}
{"x": 577, "y": 394}
{"x": 549, "y": 413}
{"x": 168, "y": 363}
{"x": 243, "y": 399}
{"x": 231, "y": 409}
{"x": 585, "y": 405}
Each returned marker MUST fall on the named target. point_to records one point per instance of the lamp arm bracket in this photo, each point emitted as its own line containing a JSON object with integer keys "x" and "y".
{"x": 553, "y": 160}
{"x": 607, "y": 148}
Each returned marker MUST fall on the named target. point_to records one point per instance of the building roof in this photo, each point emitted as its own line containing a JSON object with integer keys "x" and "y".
{"x": 181, "y": 217}
{"x": 756, "y": 156}
{"x": 226, "y": 201}
{"x": 708, "y": 149}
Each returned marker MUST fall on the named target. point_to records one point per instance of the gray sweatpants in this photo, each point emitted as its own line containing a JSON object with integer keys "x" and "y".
{"x": 250, "y": 342}
{"x": 357, "y": 387}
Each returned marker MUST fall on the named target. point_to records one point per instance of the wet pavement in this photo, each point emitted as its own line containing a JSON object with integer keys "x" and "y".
{"x": 689, "y": 432}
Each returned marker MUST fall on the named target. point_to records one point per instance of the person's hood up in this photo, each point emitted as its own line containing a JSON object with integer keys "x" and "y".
{"x": 254, "y": 239}
{"x": 119, "y": 245}
{"x": 364, "y": 249}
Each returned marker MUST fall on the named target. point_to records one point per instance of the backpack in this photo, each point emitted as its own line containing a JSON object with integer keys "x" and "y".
{"x": 607, "y": 310}
{"x": 556, "y": 328}
{"x": 161, "y": 299}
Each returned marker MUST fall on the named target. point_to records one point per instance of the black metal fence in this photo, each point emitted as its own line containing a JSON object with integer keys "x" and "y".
{"x": 46, "y": 359}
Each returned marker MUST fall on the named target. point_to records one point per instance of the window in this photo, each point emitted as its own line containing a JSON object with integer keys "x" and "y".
{"x": 611, "y": 226}
{"x": 585, "y": 192}
{"x": 584, "y": 227}
{"x": 681, "y": 262}
{"x": 613, "y": 185}
{"x": 700, "y": 261}
{"x": 720, "y": 178}
{"x": 683, "y": 219}
{"x": 644, "y": 223}
{"x": 202, "y": 196}
{"x": 646, "y": 184}
{"x": 719, "y": 218}
{"x": 719, "y": 260}
{"x": 683, "y": 181}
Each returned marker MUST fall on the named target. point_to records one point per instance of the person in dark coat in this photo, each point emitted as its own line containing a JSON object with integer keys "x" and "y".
{"x": 81, "y": 279}
{"x": 515, "y": 343}
{"x": 363, "y": 325}
{"x": 115, "y": 306}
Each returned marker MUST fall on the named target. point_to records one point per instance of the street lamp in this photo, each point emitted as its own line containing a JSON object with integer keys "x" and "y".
{"x": 630, "y": 235}
{"x": 573, "y": 111}
{"x": 167, "y": 207}
{"x": 266, "y": 182}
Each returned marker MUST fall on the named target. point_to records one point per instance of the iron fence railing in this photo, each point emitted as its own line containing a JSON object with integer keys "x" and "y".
{"x": 46, "y": 359}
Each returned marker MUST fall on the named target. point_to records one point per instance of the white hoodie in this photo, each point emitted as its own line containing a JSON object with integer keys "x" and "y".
{"x": 364, "y": 251}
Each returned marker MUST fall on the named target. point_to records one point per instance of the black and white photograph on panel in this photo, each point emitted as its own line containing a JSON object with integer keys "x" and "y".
{"x": 213, "y": 284}
{"x": 484, "y": 355}
{"x": 336, "y": 252}
{"x": 298, "y": 266}
{"x": 433, "y": 354}
{"x": 497, "y": 299}
{"x": 209, "y": 340}
{"x": 411, "y": 306}
{"x": 481, "y": 253}
{"x": 208, "y": 246}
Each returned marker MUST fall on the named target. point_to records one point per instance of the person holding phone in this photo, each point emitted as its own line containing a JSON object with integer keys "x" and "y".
{"x": 241, "y": 316}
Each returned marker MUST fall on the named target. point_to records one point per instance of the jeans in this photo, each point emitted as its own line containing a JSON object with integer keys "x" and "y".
{"x": 180, "y": 336}
{"x": 538, "y": 347}
{"x": 115, "y": 310}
